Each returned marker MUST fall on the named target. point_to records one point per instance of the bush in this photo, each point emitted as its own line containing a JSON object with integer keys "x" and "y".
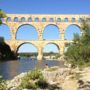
{"x": 26, "y": 84}
{"x": 35, "y": 74}
{"x": 78, "y": 52}
{"x": 2, "y": 83}
{"x": 34, "y": 81}
{"x": 41, "y": 83}
{"x": 29, "y": 80}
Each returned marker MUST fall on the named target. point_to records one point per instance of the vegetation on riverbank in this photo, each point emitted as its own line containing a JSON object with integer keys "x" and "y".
{"x": 33, "y": 80}
{"x": 78, "y": 53}
{"x": 57, "y": 79}
{"x": 46, "y": 55}
{"x": 2, "y": 83}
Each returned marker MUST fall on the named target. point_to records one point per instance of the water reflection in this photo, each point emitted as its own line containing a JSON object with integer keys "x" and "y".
{"x": 13, "y": 68}
{"x": 10, "y": 69}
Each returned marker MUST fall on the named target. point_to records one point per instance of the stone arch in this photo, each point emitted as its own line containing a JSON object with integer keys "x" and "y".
{"x": 43, "y": 19}
{"x": 26, "y": 43}
{"x": 36, "y": 19}
{"x": 76, "y": 28}
{"x": 31, "y": 27}
{"x": 73, "y": 19}
{"x": 7, "y": 33}
{"x": 75, "y": 25}
{"x": 8, "y": 19}
{"x": 47, "y": 31}
{"x": 58, "y": 19}
{"x": 29, "y": 19}
{"x": 23, "y": 19}
{"x": 51, "y": 43}
{"x": 80, "y": 19}
{"x": 65, "y": 19}
{"x": 51, "y": 20}
{"x": 16, "y": 19}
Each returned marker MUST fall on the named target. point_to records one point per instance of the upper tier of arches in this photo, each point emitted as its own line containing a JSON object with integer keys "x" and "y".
{"x": 43, "y": 19}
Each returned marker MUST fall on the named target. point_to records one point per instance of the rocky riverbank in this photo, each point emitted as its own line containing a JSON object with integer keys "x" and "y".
{"x": 63, "y": 78}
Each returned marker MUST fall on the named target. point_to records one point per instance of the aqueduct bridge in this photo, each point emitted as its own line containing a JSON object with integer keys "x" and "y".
{"x": 14, "y": 21}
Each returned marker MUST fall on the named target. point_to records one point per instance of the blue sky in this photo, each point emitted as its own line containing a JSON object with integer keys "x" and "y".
{"x": 44, "y": 7}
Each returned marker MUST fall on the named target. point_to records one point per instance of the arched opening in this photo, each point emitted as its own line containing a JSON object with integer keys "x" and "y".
{"x": 23, "y": 19}
{"x": 51, "y": 32}
{"x": 80, "y": 19}
{"x": 66, "y": 20}
{"x": 36, "y": 20}
{"x": 51, "y": 20}
{"x": 5, "y": 32}
{"x": 27, "y": 50}
{"x": 26, "y": 32}
{"x": 8, "y": 19}
{"x": 16, "y": 19}
{"x": 71, "y": 30}
{"x": 29, "y": 19}
{"x": 73, "y": 19}
{"x": 43, "y": 19}
{"x": 58, "y": 19}
{"x": 51, "y": 51}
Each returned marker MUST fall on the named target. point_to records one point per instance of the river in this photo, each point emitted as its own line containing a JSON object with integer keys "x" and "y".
{"x": 9, "y": 69}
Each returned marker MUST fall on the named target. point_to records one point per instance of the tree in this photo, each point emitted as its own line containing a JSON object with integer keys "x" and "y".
{"x": 51, "y": 54}
{"x": 2, "y": 15}
{"x": 79, "y": 51}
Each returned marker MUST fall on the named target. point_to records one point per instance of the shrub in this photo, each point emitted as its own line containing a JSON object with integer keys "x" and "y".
{"x": 2, "y": 83}
{"x": 78, "y": 52}
{"x": 35, "y": 74}
{"x": 29, "y": 80}
{"x": 26, "y": 84}
{"x": 41, "y": 83}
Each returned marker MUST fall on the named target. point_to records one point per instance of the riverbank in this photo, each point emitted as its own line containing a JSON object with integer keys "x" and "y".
{"x": 62, "y": 78}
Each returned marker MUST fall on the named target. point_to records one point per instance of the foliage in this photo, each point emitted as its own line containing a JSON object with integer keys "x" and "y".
{"x": 78, "y": 52}
{"x": 2, "y": 83}
{"x": 41, "y": 83}
{"x": 2, "y": 15}
{"x": 28, "y": 55}
{"x": 32, "y": 80}
{"x": 35, "y": 74}
{"x": 26, "y": 84}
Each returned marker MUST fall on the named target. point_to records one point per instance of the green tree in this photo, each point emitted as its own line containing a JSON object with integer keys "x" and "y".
{"x": 51, "y": 54}
{"x": 2, "y": 15}
{"x": 79, "y": 51}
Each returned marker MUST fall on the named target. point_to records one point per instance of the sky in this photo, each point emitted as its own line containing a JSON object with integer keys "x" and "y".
{"x": 43, "y": 7}
{"x": 46, "y": 6}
